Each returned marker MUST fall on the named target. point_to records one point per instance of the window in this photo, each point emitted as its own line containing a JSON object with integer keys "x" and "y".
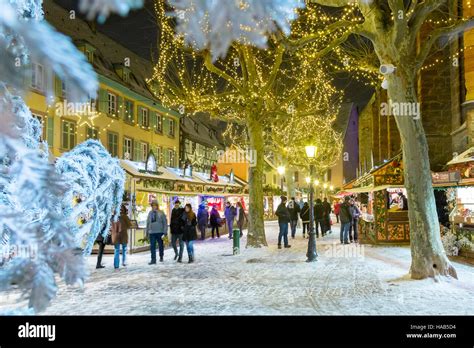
{"x": 171, "y": 131}
{"x": 129, "y": 108}
{"x": 112, "y": 144}
{"x": 274, "y": 179}
{"x": 112, "y": 109}
{"x": 43, "y": 126}
{"x": 211, "y": 133}
{"x": 37, "y": 77}
{"x": 68, "y": 135}
{"x": 145, "y": 117}
{"x": 128, "y": 149}
{"x": 143, "y": 152}
{"x": 196, "y": 127}
{"x": 92, "y": 133}
{"x": 90, "y": 56}
{"x": 159, "y": 123}
{"x": 125, "y": 76}
{"x": 297, "y": 176}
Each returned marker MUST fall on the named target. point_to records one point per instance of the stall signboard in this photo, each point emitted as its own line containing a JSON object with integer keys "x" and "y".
{"x": 445, "y": 177}
{"x": 214, "y": 201}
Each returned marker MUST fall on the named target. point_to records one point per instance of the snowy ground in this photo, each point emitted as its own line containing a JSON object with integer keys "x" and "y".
{"x": 268, "y": 281}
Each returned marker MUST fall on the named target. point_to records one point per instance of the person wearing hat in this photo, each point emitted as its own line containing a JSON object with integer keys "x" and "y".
{"x": 283, "y": 220}
{"x": 156, "y": 230}
{"x": 176, "y": 229}
{"x": 346, "y": 219}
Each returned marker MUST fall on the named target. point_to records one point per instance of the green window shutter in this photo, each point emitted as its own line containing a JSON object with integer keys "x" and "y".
{"x": 166, "y": 157}
{"x": 103, "y": 101}
{"x": 154, "y": 119}
{"x": 140, "y": 116}
{"x": 58, "y": 87}
{"x": 28, "y": 78}
{"x": 50, "y": 131}
{"x": 136, "y": 149}
{"x": 120, "y": 108}
{"x": 166, "y": 126}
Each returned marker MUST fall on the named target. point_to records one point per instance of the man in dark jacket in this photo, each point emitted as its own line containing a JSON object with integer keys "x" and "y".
{"x": 327, "y": 216}
{"x": 283, "y": 220}
{"x": 346, "y": 219}
{"x": 229, "y": 214}
{"x": 294, "y": 210}
{"x": 176, "y": 227}
{"x": 319, "y": 217}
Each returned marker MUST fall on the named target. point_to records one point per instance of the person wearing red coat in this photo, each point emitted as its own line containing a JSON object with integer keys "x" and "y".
{"x": 337, "y": 210}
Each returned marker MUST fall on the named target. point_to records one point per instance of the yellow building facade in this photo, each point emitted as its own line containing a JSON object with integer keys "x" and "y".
{"x": 124, "y": 116}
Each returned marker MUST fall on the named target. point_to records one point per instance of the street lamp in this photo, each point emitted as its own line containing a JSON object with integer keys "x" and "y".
{"x": 281, "y": 171}
{"x": 311, "y": 253}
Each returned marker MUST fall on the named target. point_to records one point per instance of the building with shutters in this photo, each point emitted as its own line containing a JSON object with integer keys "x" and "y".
{"x": 125, "y": 116}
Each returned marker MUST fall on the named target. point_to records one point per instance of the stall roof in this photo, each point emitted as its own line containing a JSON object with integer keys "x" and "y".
{"x": 370, "y": 188}
{"x": 223, "y": 180}
{"x": 466, "y": 156}
{"x": 133, "y": 168}
{"x": 174, "y": 174}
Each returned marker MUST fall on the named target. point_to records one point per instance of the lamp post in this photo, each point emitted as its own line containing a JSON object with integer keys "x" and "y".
{"x": 281, "y": 171}
{"x": 311, "y": 254}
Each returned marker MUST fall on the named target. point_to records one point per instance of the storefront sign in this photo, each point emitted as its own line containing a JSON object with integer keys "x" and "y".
{"x": 445, "y": 177}
{"x": 213, "y": 201}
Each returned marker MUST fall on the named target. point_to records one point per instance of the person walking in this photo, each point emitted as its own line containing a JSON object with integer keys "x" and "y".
{"x": 283, "y": 221}
{"x": 203, "y": 219}
{"x": 346, "y": 219}
{"x": 305, "y": 218}
{"x": 156, "y": 230}
{"x": 241, "y": 218}
{"x": 102, "y": 242}
{"x": 327, "y": 216}
{"x": 215, "y": 221}
{"x": 294, "y": 210}
{"x": 120, "y": 237}
{"x": 319, "y": 217}
{"x": 337, "y": 209}
{"x": 229, "y": 214}
{"x": 176, "y": 229}
{"x": 353, "y": 233}
{"x": 189, "y": 230}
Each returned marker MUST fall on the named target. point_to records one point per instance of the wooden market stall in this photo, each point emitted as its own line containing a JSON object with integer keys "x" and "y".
{"x": 380, "y": 192}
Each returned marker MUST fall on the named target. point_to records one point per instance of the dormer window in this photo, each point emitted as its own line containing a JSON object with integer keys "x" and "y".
{"x": 123, "y": 72}
{"x": 87, "y": 49}
{"x": 196, "y": 127}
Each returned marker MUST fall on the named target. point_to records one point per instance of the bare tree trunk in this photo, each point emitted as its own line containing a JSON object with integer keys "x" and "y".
{"x": 256, "y": 232}
{"x": 428, "y": 256}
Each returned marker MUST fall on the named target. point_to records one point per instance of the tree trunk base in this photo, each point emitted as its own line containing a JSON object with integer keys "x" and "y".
{"x": 434, "y": 266}
{"x": 256, "y": 239}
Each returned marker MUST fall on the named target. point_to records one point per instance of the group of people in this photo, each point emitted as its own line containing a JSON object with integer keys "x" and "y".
{"x": 348, "y": 213}
{"x": 289, "y": 213}
{"x": 182, "y": 226}
{"x": 214, "y": 221}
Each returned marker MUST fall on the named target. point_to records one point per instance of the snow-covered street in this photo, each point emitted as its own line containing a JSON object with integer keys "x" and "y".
{"x": 268, "y": 281}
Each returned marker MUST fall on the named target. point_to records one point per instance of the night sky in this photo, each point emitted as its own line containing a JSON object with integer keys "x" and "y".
{"x": 138, "y": 32}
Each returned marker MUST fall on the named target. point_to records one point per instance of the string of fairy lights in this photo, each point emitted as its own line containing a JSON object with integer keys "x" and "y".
{"x": 249, "y": 80}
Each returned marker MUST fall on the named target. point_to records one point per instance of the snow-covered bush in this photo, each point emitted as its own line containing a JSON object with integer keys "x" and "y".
{"x": 453, "y": 243}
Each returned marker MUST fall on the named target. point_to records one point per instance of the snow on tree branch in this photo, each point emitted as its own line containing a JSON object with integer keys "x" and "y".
{"x": 216, "y": 24}
{"x": 97, "y": 186}
{"x": 103, "y": 8}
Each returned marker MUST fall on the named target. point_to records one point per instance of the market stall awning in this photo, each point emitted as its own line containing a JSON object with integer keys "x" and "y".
{"x": 137, "y": 169}
{"x": 466, "y": 156}
{"x": 368, "y": 189}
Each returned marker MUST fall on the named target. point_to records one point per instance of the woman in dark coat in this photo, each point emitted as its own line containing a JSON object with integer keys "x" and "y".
{"x": 215, "y": 221}
{"x": 203, "y": 217}
{"x": 176, "y": 227}
{"x": 189, "y": 230}
{"x": 241, "y": 217}
{"x": 305, "y": 218}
